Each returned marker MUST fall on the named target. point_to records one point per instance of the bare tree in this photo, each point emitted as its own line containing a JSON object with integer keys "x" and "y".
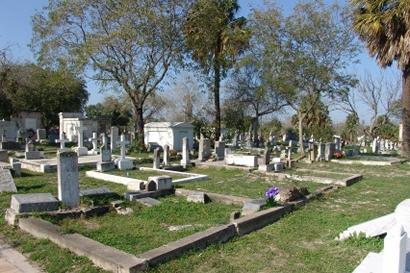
{"x": 380, "y": 95}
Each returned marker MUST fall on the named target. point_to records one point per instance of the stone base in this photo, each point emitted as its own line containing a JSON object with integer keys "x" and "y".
{"x": 33, "y": 155}
{"x": 105, "y": 166}
{"x": 266, "y": 168}
{"x": 81, "y": 151}
{"x": 125, "y": 164}
{"x": 278, "y": 167}
{"x": 92, "y": 152}
{"x": 33, "y": 202}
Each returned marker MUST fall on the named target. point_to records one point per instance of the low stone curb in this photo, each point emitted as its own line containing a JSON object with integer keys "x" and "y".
{"x": 198, "y": 240}
{"x": 106, "y": 257}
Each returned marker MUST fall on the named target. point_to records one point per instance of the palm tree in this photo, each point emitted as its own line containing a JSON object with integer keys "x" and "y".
{"x": 384, "y": 26}
{"x": 215, "y": 38}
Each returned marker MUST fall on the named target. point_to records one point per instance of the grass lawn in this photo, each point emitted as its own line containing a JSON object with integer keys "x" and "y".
{"x": 303, "y": 241}
{"x": 143, "y": 175}
{"x": 240, "y": 183}
{"x": 148, "y": 227}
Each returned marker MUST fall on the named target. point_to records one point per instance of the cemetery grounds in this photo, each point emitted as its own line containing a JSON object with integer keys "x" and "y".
{"x": 302, "y": 241}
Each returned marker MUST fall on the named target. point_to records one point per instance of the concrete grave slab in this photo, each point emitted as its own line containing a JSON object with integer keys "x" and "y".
{"x": 197, "y": 197}
{"x": 96, "y": 191}
{"x": 33, "y": 202}
{"x": 372, "y": 228}
{"x": 148, "y": 201}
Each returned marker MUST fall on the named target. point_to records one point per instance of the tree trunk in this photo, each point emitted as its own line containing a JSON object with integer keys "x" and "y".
{"x": 300, "y": 123}
{"x": 139, "y": 125}
{"x": 405, "y": 146}
{"x": 255, "y": 127}
{"x": 217, "y": 82}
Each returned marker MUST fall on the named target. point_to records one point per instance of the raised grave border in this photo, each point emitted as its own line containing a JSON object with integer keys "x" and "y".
{"x": 117, "y": 261}
{"x": 369, "y": 162}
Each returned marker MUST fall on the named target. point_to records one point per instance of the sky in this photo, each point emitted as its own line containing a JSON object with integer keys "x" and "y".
{"x": 15, "y": 33}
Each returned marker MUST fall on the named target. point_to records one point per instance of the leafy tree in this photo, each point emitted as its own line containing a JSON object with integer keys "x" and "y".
{"x": 215, "y": 37}
{"x": 274, "y": 126}
{"x": 316, "y": 120}
{"x": 249, "y": 88}
{"x": 34, "y": 89}
{"x": 351, "y": 127}
{"x": 311, "y": 49}
{"x": 130, "y": 45}
{"x": 6, "y": 108}
{"x": 234, "y": 116}
{"x": 386, "y": 129}
{"x": 116, "y": 109}
{"x": 384, "y": 26}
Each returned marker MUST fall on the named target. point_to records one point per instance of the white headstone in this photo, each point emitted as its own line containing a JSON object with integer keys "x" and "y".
{"x": 185, "y": 153}
{"x": 157, "y": 158}
{"x": 114, "y": 137}
{"x": 166, "y": 155}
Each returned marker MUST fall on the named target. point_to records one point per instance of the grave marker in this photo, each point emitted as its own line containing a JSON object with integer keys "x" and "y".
{"x": 114, "y": 137}
{"x": 6, "y": 181}
{"x": 68, "y": 179}
{"x": 166, "y": 155}
{"x": 185, "y": 153}
{"x": 81, "y": 150}
{"x": 124, "y": 163}
{"x": 157, "y": 159}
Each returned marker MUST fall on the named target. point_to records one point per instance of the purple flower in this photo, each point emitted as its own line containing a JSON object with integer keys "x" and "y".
{"x": 272, "y": 192}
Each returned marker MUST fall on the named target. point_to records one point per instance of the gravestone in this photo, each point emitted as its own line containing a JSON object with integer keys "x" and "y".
{"x": 33, "y": 202}
{"x": 166, "y": 155}
{"x": 94, "y": 142}
{"x": 266, "y": 166}
{"x": 241, "y": 160}
{"x": 329, "y": 151}
{"x": 204, "y": 149}
{"x": 30, "y": 152}
{"x": 80, "y": 149}
{"x": 157, "y": 158}
{"x": 4, "y": 156}
{"x": 68, "y": 179}
{"x": 124, "y": 163}
{"x": 105, "y": 164}
{"x": 375, "y": 145}
{"x": 148, "y": 201}
{"x": 220, "y": 150}
{"x": 185, "y": 153}
{"x": 114, "y": 137}
{"x": 159, "y": 183}
{"x": 320, "y": 151}
{"x": 41, "y": 134}
{"x": 6, "y": 181}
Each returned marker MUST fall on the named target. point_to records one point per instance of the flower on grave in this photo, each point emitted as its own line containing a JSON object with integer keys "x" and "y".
{"x": 272, "y": 192}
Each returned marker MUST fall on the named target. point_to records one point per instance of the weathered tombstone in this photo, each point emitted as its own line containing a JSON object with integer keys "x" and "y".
{"x": 320, "y": 152}
{"x": 157, "y": 158}
{"x": 68, "y": 179}
{"x": 166, "y": 155}
{"x": 4, "y": 156}
{"x": 329, "y": 151}
{"x": 185, "y": 153}
{"x": 94, "y": 141}
{"x": 114, "y": 137}
{"x": 124, "y": 163}
{"x": 6, "y": 181}
{"x": 204, "y": 149}
{"x": 105, "y": 164}
{"x": 266, "y": 166}
{"x": 30, "y": 152}
{"x": 220, "y": 150}
{"x": 41, "y": 134}
{"x": 80, "y": 149}
{"x": 159, "y": 183}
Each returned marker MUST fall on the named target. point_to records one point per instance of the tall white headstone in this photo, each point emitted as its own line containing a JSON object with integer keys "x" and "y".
{"x": 80, "y": 149}
{"x": 185, "y": 153}
{"x": 166, "y": 155}
{"x": 157, "y": 159}
{"x": 94, "y": 141}
{"x": 114, "y": 137}
{"x": 124, "y": 163}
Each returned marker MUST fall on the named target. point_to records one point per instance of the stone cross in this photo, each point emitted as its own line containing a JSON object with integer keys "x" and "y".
{"x": 68, "y": 179}
{"x": 157, "y": 158}
{"x": 185, "y": 153}
{"x": 62, "y": 141}
{"x": 123, "y": 142}
{"x": 94, "y": 141}
{"x": 166, "y": 155}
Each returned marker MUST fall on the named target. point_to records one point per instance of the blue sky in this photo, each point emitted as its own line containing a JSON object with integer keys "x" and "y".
{"x": 15, "y": 33}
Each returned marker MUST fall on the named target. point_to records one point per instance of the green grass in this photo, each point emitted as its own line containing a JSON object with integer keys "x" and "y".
{"x": 303, "y": 241}
{"x": 241, "y": 183}
{"x": 147, "y": 227}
